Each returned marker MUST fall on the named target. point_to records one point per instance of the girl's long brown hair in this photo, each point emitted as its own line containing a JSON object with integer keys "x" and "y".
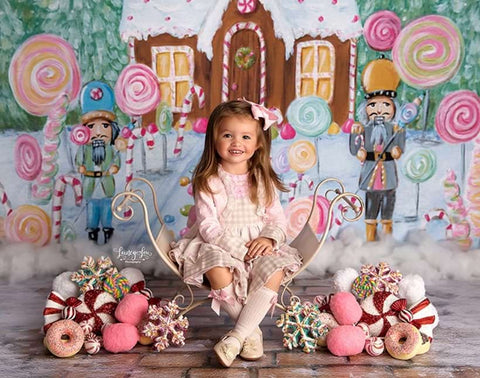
{"x": 259, "y": 166}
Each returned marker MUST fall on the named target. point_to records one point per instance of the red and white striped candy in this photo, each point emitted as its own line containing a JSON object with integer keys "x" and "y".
{"x": 374, "y": 346}
{"x": 92, "y": 343}
{"x": 97, "y": 305}
{"x": 138, "y": 133}
{"x": 58, "y": 194}
{"x": 5, "y": 201}
{"x": 54, "y": 308}
{"x": 246, "y": 6}
{"x": 69, "y": 313}
{"x": 186, "y": 109}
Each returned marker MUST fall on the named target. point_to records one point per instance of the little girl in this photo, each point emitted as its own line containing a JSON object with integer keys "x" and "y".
{"x": 238, "y": 240}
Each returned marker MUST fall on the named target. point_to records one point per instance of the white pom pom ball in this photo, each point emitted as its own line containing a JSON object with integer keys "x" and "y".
{"x": 133, "y": 275}
{"x": 412, "y": 288}
{"x": 64, "y": 286}
{"x": 343, "y": 279}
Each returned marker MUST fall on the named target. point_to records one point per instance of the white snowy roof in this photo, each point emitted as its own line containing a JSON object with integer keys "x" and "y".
{"x": 292, "y": 19}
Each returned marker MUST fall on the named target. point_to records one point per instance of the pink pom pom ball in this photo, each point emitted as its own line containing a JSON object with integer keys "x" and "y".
{"x": 131, "y": 309}
{"x": 346, "y": 340}
{"x": 120, "y": 337}
{"x": 345, "y": 308}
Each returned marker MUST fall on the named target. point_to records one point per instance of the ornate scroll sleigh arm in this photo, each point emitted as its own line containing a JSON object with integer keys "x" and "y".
{"x": 349, "y": 205}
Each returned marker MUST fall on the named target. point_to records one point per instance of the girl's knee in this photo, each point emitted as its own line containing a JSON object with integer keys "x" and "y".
{"x": 219, "y": 277}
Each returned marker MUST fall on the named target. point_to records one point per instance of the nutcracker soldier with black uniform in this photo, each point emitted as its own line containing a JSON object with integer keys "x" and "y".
{"x": 377, "y": 141}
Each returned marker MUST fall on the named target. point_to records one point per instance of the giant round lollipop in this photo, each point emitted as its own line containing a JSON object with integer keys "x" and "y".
{"x": 43, "y": 68}
{"x": 458, "y": 117}
{"x": 381, "y": 29}
{"x": 428, "y": 51}
{"x": 137, "y": 91}
{"x": 310, "y": 116}
{"x": 302, "y": 156}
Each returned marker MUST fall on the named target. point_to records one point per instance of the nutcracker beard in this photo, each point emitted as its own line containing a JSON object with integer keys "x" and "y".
{"x": 98, "y": 151}
{"x": 379, "y": 132}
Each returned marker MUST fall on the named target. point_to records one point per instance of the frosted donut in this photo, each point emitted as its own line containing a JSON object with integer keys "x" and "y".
{"x": 402, "y": 341}
{"x": 64, "y": 338}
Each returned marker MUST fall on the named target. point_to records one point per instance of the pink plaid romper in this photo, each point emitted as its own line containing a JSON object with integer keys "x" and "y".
{"x": 226, "y": 221}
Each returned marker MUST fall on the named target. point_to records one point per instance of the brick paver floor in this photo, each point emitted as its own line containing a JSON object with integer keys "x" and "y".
{"x": 454, "y": 353}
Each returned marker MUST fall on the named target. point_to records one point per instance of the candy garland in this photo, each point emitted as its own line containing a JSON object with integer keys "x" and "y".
{"x": 473, "y": 189}
{"x": 186, "y": 109}
{"x": 58, "y": 195}
{"x": 301, "y": 326}
{"x": 91, "y": 274}
{"x": 164, "y": 326}
{"x": 460, "y": 227}
{"x": 226, "y": 58}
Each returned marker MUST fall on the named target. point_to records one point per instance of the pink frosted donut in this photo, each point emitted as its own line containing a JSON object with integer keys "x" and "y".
{"x": 64, "y": 338}
{"x": 402, "y": 341}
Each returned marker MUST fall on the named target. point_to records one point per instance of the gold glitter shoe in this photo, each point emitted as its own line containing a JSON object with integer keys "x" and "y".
{"x": 228, "y": 348}
{"x": 253, "y": 346}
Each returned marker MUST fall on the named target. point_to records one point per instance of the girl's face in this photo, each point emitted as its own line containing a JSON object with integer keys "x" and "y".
{"x": 236, "y": 142}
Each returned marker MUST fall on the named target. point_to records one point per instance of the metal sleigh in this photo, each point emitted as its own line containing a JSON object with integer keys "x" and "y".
{"x": 306, "y": 242}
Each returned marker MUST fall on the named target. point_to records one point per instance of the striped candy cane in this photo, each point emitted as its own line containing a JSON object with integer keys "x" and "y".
{"x": 226, "y": 57}
{"x": 186, "y": 109}
{"x": 294, "y": 184}
{"x": 5, "y": 201}
{"x": 352, "y": 77}
{"x": 58, "y": 194}
{"x": 137, "y": 133}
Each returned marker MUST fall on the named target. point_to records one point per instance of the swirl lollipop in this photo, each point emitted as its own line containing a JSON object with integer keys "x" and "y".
{"x": 381, "y": 29}
{"x": 428, "y": 51}
{"x": 164, "y": 117}
{"x": 136, "y": 90}
{"x": 302, "y": 156}
{"x": 310, "y": 116}
{"x": 280, "y": 161}
{"x": 297, "y": 213}
{"x": 80, "y": 135}
{"x": 420, "y": 165}
{"x": 30, "y": 224}
{"x": 43, "y": 68}
{"x": 458, "y": 117}
{"x": 28, "y": 157}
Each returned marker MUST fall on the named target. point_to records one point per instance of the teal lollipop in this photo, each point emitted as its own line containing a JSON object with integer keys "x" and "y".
{"x": 419, "y": 165}
{"x": 164, "y": 117}
{"x": 310, "y": 116}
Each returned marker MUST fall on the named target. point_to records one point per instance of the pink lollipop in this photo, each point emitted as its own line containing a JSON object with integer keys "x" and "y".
{"x": 43, "y": 68}
{"x": 428, "y": 52}
{"x": 297, "y": 213}
{"x": 381, "y": 29}
{"x": 137, "y": 91}
{"x": 80, "y": 135}
{"x": 458, "y": 117}
{"x": 28, "y": 157}
{"x": 322, "y": 208}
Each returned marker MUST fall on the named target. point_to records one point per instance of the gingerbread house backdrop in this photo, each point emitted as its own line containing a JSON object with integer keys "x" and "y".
{"x": 267, "y": 51}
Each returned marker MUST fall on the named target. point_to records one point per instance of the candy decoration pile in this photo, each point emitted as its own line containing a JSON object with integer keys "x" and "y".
{"x": 376, "y": 278}
{"x": 301, "y": 326}
{"x": 164, "y": 326}
{"x": 92, "y": 275}
{"x": 97, "y": 309}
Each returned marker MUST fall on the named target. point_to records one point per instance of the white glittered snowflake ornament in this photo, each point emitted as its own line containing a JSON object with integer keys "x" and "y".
{"x": 164, "y": 326}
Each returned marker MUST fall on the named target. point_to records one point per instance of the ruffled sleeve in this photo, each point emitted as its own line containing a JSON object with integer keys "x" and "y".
{"x": 275, "y": 223}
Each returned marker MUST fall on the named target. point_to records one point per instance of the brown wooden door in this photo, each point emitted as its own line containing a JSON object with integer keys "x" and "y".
{"x": 244, "y": 74}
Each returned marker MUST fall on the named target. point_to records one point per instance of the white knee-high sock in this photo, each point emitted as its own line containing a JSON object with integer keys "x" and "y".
{"x": 254, "y": 311}
{"x": 230, "y": 303}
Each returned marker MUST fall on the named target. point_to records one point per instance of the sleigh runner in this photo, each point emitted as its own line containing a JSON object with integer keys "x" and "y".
{"x": 343, "y": 206}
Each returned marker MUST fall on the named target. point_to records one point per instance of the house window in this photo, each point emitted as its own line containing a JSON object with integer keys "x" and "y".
{"x": 174, "y": 68}
{"x": 315, "y": 70}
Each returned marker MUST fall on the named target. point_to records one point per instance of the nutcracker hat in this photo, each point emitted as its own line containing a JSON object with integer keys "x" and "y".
{"x": 380, "y": 78}
{"x": 97, "y": 101}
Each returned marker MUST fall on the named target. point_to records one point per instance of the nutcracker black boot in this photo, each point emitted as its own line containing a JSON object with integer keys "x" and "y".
{"x": 93, "y": 234}
{"x": 108, "y": 233}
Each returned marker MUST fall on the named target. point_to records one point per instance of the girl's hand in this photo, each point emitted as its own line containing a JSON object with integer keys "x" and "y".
{"x": 259, "y": 247}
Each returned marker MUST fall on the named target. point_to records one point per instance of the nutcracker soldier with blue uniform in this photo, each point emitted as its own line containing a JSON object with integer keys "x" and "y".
{"x": 97, "y": 160}
{"x": 377, "y": 141}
